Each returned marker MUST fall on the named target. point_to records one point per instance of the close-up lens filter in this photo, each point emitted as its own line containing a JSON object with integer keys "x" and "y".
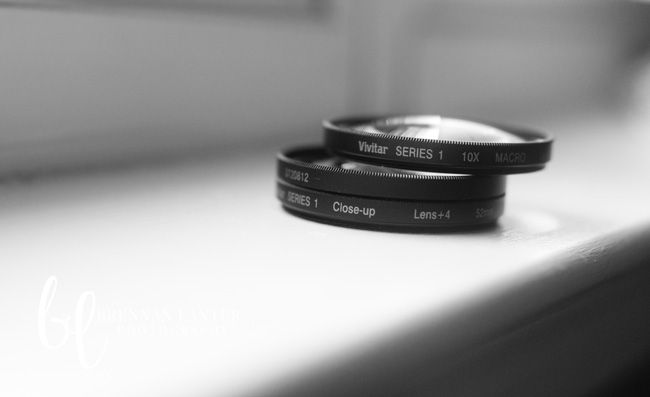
{"x": 315, "y": 185}
{"x": 434, "y": 143}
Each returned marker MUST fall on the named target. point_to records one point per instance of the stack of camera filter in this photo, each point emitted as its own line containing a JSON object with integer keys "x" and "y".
{"x": 408, "y": 172}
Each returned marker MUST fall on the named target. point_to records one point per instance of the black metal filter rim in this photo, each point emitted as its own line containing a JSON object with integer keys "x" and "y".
{"x": 343, "y": 139}
{"x": 380, "y": 214}
{"x": 297, "y": 167}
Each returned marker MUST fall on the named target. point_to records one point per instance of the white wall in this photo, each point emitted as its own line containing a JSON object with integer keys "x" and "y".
{"x": 97, "y": 84}
{"x": 100, "y": 83}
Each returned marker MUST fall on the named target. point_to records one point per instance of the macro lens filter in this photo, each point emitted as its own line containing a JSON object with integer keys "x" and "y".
{"x": 434, "y": 143}
{"x": 316, "y": 185}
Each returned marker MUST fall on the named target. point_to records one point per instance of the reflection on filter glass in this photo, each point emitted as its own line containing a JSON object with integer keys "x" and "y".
{"x": 356, "y": 166}
{"x": 436, "y": 127}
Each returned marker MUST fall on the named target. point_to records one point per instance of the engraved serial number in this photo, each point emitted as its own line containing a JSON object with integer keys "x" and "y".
{"x": 295, "y": 175}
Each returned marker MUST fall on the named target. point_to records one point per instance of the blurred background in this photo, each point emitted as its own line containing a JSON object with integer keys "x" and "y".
{"x": 94, "y": 81}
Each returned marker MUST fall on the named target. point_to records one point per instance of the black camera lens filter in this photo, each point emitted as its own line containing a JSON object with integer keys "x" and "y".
{"x": 434, "y": 143}
{"x": 316, "y": 185}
